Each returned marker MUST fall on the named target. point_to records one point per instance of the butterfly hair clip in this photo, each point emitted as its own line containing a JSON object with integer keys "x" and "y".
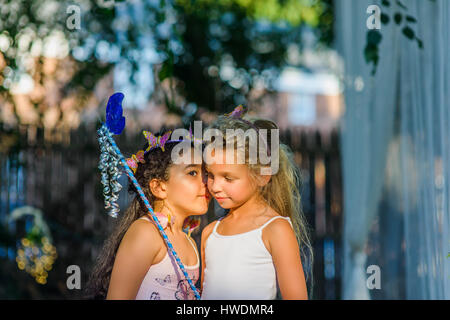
{"x": 238, "y": 112}
{"x": 135, "y": 159}
{"x": 155, "y": 142}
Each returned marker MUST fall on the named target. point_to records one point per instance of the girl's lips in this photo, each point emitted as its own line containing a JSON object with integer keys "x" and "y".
{"x": 220, "y": 198}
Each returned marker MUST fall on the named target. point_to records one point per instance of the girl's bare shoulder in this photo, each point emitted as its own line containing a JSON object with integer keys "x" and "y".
{"x": 139, "y": 246}
{"x": 269, "y": 213}
{"x": 276, "y": 226}
{"x": 143, "y": 231}
{"x": 208, "y": 229}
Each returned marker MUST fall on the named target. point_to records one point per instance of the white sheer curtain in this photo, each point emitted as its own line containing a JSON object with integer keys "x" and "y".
{"x": 396, "y": 154}
{"x": 425, "y": 144}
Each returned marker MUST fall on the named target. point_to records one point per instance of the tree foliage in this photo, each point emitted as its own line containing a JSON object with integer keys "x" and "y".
{"x": 210, "y": 53}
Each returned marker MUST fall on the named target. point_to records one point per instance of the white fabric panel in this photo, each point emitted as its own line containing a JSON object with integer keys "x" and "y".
{"x": 401, "y": 114}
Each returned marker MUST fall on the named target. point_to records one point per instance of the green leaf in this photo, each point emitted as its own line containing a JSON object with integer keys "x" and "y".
{"x": 374, "y": 69}
{"x": 371, "y": 53}
{"x": 411, "y": 19}
{"x": 401, "y": 5}
{"x": 398, "y": 18}
{"x": 409, "y": 33}
{"x": 166, "y": 70}
{"x": 374, "y": 37}
{"x": 419, "y": 43}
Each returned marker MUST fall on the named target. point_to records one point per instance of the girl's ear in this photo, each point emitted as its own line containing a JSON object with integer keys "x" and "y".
{"x": 158, "y": 188}
{"x": 262, "y": 180}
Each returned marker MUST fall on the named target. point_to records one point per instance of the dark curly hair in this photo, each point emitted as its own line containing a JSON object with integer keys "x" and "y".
{"x": 156, "y": 166}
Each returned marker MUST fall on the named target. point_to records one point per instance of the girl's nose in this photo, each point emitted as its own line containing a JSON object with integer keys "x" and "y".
{"x": 214, "y": 186}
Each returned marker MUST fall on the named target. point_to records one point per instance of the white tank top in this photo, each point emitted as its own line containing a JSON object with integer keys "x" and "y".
{"x": 239, "y": 266}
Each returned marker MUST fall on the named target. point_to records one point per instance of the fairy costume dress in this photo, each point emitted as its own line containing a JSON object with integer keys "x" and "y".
{"x": 165, "y": 281}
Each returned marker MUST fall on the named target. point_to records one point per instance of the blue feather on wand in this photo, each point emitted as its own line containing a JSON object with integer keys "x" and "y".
{"x": 115, "y": 121}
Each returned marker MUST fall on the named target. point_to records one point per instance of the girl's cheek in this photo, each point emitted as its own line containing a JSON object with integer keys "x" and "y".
{"x": 208, "y": 186}
{"x": 235, "y": 189}
{"x": 228, "y": 189}
{"x": 209, "y": 183}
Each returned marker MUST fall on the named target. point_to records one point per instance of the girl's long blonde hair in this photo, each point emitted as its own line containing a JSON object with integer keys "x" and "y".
{"x": 282, "y": 192}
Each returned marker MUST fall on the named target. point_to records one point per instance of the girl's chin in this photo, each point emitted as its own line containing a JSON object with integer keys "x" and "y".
{"x": 201, "y": 210}
{"x": 225, "y": 205}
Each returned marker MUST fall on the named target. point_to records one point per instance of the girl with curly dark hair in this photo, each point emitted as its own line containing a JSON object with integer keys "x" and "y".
{"x": 135, "y": 262}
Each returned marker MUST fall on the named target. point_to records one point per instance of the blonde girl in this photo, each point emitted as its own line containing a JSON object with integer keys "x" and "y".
{"x": 258, "y": 247}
